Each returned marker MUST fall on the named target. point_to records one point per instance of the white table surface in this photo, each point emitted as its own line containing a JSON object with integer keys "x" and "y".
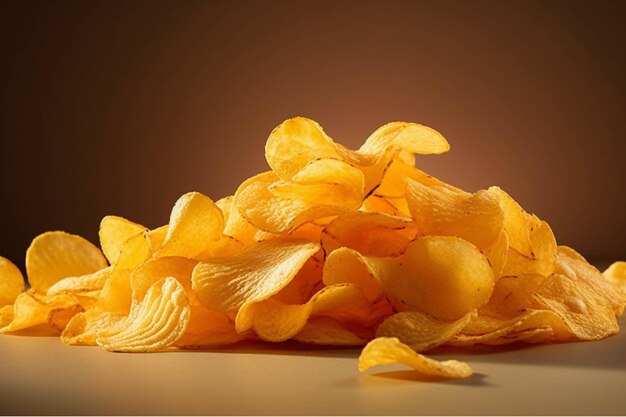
{"x": 39, "y": 375}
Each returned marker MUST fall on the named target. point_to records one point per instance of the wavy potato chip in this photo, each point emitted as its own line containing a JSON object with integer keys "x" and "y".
{"x": 153, "y": 324}
{"x": 11, "y": 282}
{"x": 53, "y": 256}
{"x": 32, "y": 309}
{"x": 389, "y": 350}
{"x": 147, "y": 274}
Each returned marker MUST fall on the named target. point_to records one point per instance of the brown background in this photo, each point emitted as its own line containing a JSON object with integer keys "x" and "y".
{"x": 120, "y": 107}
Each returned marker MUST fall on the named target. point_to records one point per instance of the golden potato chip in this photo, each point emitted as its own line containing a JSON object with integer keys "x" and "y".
{"x": 85, "y": 283}
{"x": 513, "y": 295}
{"x": 227, "y": 283}
{"x": 616, "y": 273}
{"x": 588, "y": 314}
{"x": 497, "y": 253}
{"x": 389, "y": 350}
{"x": 156, "y": 237}
{"x": 53, "y": 256}
{"x": 32, "y": 309}
{"x": 516, "y": 222}
{"x": 543, "y": 252}
{"x": 195, "y": 224}
{"x": 11, "y": 282}
{"x": 394, "y": 182}
{"x": 378, "y": 204}
{"x": 114, "y": 232}
{"x": 274, "y": 321}
{"x": 443, "y": 276}
{"x": 153, "y": 324}
{"x": 6, "y": 315}
{"x": 419, "y": 331}
{"x": 305, "y": 284}
{"x": 440, "y": 211}
{"x": 371, "y": 234}
{"x": 327, "y": 331}
{"x": 147, "y": 274}
{"x": 60, "y": 317}
{"x": 347, "y": 266}
{"x": 209, "y": 329}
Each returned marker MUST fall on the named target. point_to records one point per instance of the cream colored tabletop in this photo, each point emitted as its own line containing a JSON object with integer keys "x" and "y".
{"x": 42, "y": 376}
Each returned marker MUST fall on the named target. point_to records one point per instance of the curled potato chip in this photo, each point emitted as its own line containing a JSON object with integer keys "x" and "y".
{"x": 516, "y": 222}
{"x": 347, "y": 266}
{"x": 53, "y": 256}
{"x": 82, "y": 284}
{"x": 445, "y": 277}
{"x": 274, "y": 321}
{"x": 195, "y": 223}
{"x": 389, "y": 350}
{"x": 114, "y": 232}
{"x": 11, "y": 282}
{"x": 371, "y": 234}
{"x": 153, "y": 324}
{"x": 441, "y": 211}
{"x": 616, "y": 273}
{"x": 419, "y": 331}
{"x": 252, "y": 276}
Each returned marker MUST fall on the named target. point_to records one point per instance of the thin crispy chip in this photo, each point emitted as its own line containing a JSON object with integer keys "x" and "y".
{"x": 419, "y": 331}
{"x": 327, "y": 331}
{"x": 389, "y": 350}
{"x": 53, "y": 256}
{"x": 394, "y": 183}
{"x": 497, "y": 253}
{"x": 227, "y": 283}
{"x": 348, "y": 266}
{"x": 443, "y": 276}
{"x": 371, "y": 234}
{"x": 83, "y": 328}
{"x": 441, "y": 211}
{"x": 60, "y": 317}
{"x": 513, "y": 295}
{"x": 274, "y": 321}
{"x": 114, "y": 232}
{"x": 11, "y": 282}
{"x": 584, "y": 309}
{"x": 195, "y": 224}
{"x": 516, "y": 222}
{"x": 153, "y": 324}
{"x": 305, "y": 284}
{"x": 82, "y": 284}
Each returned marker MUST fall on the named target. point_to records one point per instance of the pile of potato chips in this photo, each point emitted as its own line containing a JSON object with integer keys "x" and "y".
{"x": 331, "y": 247}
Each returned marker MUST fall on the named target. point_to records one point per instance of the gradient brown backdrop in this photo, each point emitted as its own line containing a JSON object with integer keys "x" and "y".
{"x": 120, "y": 107}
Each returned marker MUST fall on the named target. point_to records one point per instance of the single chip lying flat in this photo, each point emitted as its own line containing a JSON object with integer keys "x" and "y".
{"x": 389, "y": 350}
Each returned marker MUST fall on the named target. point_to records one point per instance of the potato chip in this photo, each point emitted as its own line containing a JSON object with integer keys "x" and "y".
{"x": 394, "y": 182}
{"x": 616, "y": 273}
{"x": 227, "y": 283}
{"x": 60, "y": 317}
{"x": 497, "y": 254}
{"x": 419, "y": 331}
{"x": 11, "y": 282}
{"x": 305, "y": 284}
{"x": 114, "y": 232}
{"x": 83, "y": 328}
{"x": 516, "y": 222}
{"x": 588, "y": 314}
{"x": 348, "y": 266}
{"x": 389, "y": 350}
{"x": 371, "y": 234}
{"x": 440, "y": 211}
{"x": 195, "y": 223}
{"x": 53, "y": 256}
{"x": 445, "y": 277}
{"x": 153, "y": 324}
{"x": 82, "y": 284}
{"x": 274, "y": 321}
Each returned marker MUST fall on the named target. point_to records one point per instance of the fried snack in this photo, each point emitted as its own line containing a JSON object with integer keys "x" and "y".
{"x": 331, "y": 246}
